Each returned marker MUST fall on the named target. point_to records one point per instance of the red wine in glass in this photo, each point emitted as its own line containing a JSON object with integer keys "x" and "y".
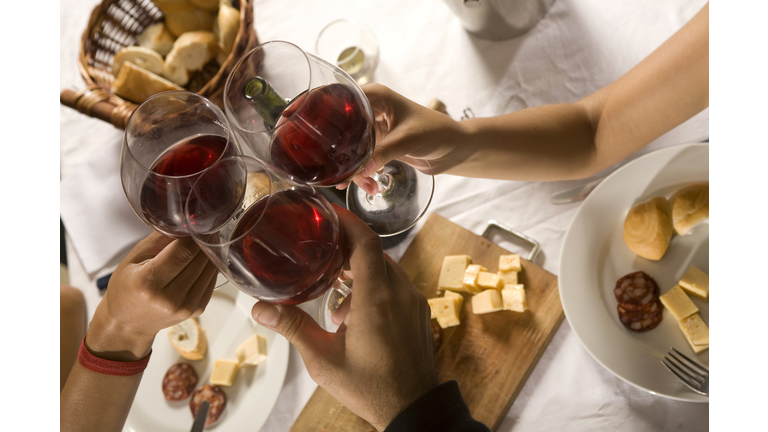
{"x": 171, "y": 176}
{"x": 323, "y": 137}
{"x": 289, "y": 245}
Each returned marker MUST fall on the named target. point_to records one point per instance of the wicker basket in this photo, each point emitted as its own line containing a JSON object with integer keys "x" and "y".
{"x": 114, "y": 24}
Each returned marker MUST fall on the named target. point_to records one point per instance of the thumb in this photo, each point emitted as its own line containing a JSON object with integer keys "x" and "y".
{"x": 293, "y": 324}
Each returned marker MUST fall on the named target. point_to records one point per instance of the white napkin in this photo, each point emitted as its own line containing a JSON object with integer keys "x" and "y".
{"x": 96, "y": 215}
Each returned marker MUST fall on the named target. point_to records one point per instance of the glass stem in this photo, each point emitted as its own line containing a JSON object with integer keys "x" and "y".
{"x": 384, "y": 181}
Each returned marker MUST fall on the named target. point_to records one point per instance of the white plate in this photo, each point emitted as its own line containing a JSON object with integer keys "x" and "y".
{"x": 594, "y": 257}
{"x": 227, "y": 323}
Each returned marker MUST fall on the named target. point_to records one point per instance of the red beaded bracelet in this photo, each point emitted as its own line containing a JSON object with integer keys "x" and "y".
{"x": 110, "y": 367}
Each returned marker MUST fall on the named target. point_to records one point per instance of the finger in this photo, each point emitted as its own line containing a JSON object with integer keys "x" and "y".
{"x": 295, "y": 325}
{"x": 366, "y": 255}
{"x": 182, "y": 284}
{"x": 200, "y": 293}
{"x": 367, "y": 184}
{"x": 337, "y": 317}
{"x": 149, "y": 247}
{"x": 173, "y": 259}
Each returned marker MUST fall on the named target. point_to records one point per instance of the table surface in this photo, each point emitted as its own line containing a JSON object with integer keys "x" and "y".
{"x": 579, "y": 47}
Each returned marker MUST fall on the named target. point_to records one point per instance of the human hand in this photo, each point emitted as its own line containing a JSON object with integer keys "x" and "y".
{"x": 381, "y": 358}
{"x": 162, "y": 282}
{"x": 421, "y": 137}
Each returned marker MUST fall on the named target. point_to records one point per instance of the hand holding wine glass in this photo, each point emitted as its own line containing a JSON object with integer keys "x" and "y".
{"x": 388, "y": 320}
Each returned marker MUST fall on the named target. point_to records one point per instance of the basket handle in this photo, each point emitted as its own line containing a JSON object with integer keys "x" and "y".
{"x": 95, "y": 102}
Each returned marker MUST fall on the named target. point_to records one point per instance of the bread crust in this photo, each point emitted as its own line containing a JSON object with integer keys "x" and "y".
{"x": 181, "y": 330}
{"x": 648, "y": 228}
{"x": 690, "y": 208}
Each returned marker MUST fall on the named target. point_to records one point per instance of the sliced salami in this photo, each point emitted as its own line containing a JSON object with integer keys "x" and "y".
{"x": 214, "y": 396}
{"x": 641, "y": 320}
{"x": 636, "y": 291}
{"x": 179, "y": 381}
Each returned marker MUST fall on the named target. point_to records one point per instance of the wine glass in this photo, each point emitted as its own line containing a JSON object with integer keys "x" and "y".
{"x": 352, "y": 46}
{"x": 310, "y": 119}
{"x": 169, "y": 140}
{"x": 276, "y": 239}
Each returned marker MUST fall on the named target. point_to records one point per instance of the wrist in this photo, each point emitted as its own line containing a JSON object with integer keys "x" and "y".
{"x": 112, "y": 340}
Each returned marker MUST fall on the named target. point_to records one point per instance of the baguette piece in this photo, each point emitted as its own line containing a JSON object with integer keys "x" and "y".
{"x": 690, "y": 208}
{"x": 206, "y": 4}
{"x": 142, "y": 57}
{"x": 137, "y": 84}
{"x": 174, "y": 6}
{"x": 191, "y": 51}
{"x": 648, "y": 228}
{"x": 189, "y": 339}
{"x": 226, "y": 26}
{"x": 157, "y": 38}
{"x": 194, "y": 20}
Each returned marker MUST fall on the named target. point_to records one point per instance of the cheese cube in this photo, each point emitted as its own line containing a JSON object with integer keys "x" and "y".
{"x": 447, "y": 312}
{"x": 508, "y": 278}
{"x": 513, "y": 298}
{"x": 678, "y": 303}
{"x": 224, "y": 372}
{"x": 458, "y": 299}
{"x": 452, "y": 272}
{"x": 433, "y": 307}
{"x": 470, "y": 278}
{"x": 487, "y": 301}
{"x": 510, "y": 263}
{"x": 490, "y": 280}
{"x": 253, "y": 351}
{"x": 696, "y": 282}
{"x": 695, "y": 330}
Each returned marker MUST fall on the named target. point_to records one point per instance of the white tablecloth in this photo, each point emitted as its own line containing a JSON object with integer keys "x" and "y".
{"x": 579, "y": 47}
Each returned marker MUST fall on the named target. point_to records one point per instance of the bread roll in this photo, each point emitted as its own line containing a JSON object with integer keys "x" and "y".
{"x": 174, "y": 6}
{"x": 226, "y": 26}
{"x": 144, "y": 58}
{"x": 182, "y": 22}
{"x": 189, "y": 339}
{"x": 157, "y": 38}
{"x": 648, "y": 228}
{"x": 206, "y": 4}
{"x": 191, "y": 51}
{"x": 137, "y": 84}
{"x": 690, "y": 207}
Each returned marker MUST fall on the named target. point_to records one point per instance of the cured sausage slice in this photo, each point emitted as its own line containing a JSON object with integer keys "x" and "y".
{"x": 636, "y": 291}
{"x": 641, "y": 320}
{"x": 214, "y": 396}
{"x": 179, "y": 381}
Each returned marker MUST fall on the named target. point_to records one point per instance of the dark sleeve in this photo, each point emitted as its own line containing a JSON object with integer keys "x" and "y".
{"x": 440, "y": 409}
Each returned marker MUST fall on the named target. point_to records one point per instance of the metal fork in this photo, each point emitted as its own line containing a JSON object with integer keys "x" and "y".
{"x": 692, "y": 374}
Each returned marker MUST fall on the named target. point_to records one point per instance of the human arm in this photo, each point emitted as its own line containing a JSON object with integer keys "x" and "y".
{"x": 381, "y": 359}
{"x": 557, "y": 141}
{"x": 160, "y": 283}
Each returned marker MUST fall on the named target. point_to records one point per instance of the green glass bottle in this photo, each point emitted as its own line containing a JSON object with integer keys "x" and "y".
{"x": 265, "y": 100}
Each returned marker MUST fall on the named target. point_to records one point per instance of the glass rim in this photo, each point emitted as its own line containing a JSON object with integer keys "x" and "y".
{"x": 196, "y": 235}
{"x": 359, "y": 26}
{"x": 228, "y": 111}
{"x": 127, "y": 149}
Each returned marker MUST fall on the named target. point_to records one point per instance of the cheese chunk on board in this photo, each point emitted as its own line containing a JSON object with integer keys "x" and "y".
{"x": 253, "y": 351}
{"x": 677, "y": 303}
{"x": 470, "y": 278}
{"x": 487, "y": 301}
{"x": 433, "y": 307}
{"x": 509, "y": 263}
{"x": 489, "y": 280}
{"x": 696, "y": 332}
{"x": 696, "y": 282}
{"x": 458, "y": 299}
{"x": 224, "y": 372}
{"x": 513, "y": 298}
{"x": 446, "y": 311}
{"x": 508, "y": 278}
{"x": 452, "y": 272}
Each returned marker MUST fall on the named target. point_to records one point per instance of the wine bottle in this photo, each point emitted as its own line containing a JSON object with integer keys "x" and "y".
{"x": 265, "y": 100}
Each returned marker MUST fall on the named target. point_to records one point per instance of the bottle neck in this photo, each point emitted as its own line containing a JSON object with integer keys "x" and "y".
{"x": 265, "y": 100}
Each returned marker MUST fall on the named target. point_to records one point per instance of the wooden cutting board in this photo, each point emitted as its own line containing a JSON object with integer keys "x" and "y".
{"x": 489, "y": 355}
